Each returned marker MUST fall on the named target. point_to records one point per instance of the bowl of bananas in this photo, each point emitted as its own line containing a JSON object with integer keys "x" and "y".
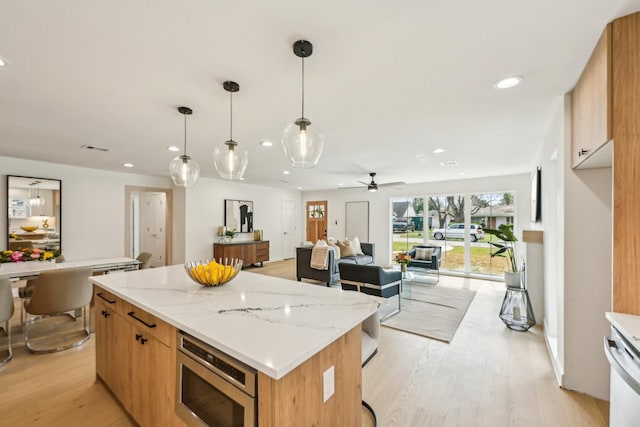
{"x": 212, "y": 273}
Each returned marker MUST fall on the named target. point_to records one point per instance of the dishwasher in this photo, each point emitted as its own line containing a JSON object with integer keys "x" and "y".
{"x": 624, "y": 409}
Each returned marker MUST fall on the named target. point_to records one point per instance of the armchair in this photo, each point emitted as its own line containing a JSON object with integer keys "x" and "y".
{"x": 433, "y": 263}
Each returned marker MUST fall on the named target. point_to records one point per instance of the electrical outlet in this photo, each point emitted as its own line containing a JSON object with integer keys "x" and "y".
{"x": 328, "y": 383}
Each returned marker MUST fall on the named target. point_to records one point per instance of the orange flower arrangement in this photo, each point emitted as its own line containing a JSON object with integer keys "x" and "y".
{"x": 403, "y": 258}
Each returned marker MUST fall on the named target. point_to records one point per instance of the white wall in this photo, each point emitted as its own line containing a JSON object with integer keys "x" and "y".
{"x": 92, "y": 205}
{"x": 93, "y": 210}
{"x": 577, "y": 223}
{"x": 205, "y": 212}
{"x": 380, "y": 205}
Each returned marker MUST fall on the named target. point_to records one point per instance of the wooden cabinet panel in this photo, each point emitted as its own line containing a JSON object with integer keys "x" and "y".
{"x": 112, "y": 354}
{"x": 626, "y": 170}
{"x": 135, "y": 358}
{"x": 249, "y": 252}
{"x": 591, "y": 103}
{"x": 152, "y": 369}
{"x": 297, "y": 398}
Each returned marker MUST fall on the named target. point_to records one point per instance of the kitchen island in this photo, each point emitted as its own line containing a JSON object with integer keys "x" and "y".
{"x": 290, "y": 333}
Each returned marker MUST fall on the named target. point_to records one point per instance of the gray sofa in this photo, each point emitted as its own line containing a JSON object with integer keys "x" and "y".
{"x": 332, "y": 274}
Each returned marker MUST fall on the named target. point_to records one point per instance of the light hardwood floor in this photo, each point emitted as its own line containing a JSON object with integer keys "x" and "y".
{"x": 487, "y": 376}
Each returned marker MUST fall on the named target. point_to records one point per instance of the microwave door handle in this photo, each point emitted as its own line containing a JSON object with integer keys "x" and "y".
{"x": 612, "y": 356}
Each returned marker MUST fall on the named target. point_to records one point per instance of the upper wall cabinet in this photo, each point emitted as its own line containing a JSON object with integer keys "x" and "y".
{"x": 591, "y": 125}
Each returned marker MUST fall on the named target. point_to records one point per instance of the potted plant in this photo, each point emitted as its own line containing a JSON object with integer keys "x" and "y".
{"x": 514, "y": 277}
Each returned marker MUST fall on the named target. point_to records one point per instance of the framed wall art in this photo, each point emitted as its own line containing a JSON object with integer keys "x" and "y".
{"x": 238, "y": 215}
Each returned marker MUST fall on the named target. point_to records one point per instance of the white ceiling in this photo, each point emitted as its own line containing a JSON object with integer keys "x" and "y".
{"x": 387, "y": 83}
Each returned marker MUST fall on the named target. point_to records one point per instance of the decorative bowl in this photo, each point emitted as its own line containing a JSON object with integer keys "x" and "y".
{"x": 29, "y": 228}
{"x": 212, "y": 273}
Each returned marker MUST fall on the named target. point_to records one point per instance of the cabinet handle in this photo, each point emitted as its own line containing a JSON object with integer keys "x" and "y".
{"x": 148, "y": 325}
{"x": 582, "y": 152}
{"x": 105, "y": 313}
{"x": 105, "y": 298}
{"x": 143, "y": 340}
{"x": 138, "y": 336}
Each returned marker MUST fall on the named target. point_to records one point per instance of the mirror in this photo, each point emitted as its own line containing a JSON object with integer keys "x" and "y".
{"x": 34, "y": 214}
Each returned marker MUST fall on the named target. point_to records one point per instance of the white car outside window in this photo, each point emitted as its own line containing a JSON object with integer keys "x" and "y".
{"x": 456, "y": 231}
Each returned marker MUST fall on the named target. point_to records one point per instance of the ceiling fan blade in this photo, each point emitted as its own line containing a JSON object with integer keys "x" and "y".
{"x": 363, "y": 183}
{"x": 349, "y": 188}
{"x": 391, "y": 184}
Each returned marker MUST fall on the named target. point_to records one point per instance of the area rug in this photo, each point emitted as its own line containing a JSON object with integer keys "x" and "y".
{"x": 432, "y": 311}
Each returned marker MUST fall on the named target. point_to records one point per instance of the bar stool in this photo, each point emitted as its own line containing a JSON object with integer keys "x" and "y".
{"x": 6, "y": 311}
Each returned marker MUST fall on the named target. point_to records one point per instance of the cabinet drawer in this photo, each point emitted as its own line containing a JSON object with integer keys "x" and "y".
{"x": 147, "y": 323}
{"x": 108, "y": 299}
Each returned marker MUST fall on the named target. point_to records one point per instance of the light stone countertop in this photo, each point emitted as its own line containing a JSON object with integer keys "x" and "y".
{"x": 269, "y": 323}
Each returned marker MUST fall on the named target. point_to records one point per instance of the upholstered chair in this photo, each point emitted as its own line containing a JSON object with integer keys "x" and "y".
{"x": 6, "y": 312}
{"x": 58, "y": 293}
{"x": 145, "y": 259}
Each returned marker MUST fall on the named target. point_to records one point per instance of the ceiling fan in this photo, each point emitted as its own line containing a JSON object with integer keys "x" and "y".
{"x": 373, "y": 185}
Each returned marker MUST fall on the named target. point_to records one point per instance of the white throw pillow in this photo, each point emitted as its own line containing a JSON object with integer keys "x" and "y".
{"x": 335, "y": 248}
{"x": 424, "y": 253}
{"x": 355, "y": 244}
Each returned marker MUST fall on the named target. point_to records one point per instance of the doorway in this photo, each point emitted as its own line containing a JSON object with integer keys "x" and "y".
{"x": 316, "y": 215}
{"x": 148, "y": 220}
{"x": 289, "y": 221}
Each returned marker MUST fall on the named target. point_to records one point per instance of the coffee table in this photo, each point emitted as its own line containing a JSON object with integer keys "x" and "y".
{"x": 417, "y": 276}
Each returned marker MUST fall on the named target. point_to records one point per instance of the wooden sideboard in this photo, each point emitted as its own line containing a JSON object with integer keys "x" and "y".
{"x": 251, "y": 252}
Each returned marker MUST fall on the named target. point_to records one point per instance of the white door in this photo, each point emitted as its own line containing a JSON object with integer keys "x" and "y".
{"x": 152, "y": 227}
{"x": 289, "y": 221}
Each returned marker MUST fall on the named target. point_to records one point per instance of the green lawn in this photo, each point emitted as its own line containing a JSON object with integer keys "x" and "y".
{"x": 481, "y": 261}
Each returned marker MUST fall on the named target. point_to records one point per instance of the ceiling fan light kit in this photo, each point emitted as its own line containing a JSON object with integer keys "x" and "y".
{"x": 302, "y": 142}
{"x": 231, "y": 159}
{"x": 184, "y": 171}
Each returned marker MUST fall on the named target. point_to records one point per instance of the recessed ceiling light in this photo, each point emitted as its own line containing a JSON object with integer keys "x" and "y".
{"x": 127, "y": 165}
{"x": 438, "y": 151}
{"x": 266, "y": 143}
{"x": 508, "y": 82}
{"x": 285, "y": 172}
{"x": 461, "y": 173}
{"x": 173, "y": 148}
{"x": 449, "y": 163}
{"x": 2, "y": 63}
{"x": 340, "y": 184}
{"x": 298, "y": 188}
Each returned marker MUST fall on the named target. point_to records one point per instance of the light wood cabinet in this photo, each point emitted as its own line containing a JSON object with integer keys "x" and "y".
{"x": 135, "y": 358}
{"x": 591, "y": 125}
{"x": 248, "y": 252}
{"x": 626, "y": 168}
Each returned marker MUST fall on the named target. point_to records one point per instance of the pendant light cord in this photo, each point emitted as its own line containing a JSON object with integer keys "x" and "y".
{"x": 185, "y": 134}
{"x": 302, "y": 87}
{"x": 231, "y": 116}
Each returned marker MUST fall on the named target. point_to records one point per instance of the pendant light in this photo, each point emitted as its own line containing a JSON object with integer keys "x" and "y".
{"x": 184, "y": 171}
{"x": 302, "y": 142}
{"x": 230, "y": 159}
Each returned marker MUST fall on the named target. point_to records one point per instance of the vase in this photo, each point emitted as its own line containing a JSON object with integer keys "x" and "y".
{"x": 514, "y": 279}
{"x": 403, "y": 268}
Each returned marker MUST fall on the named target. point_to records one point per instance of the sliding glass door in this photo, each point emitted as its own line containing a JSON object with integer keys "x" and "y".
{"x": 456, "y": 223}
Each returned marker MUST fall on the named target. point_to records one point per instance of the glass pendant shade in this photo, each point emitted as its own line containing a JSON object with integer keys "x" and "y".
{"x": 230, "y": 160}
{"x": 184, "y": 171}
{"x": 302, "y": 143}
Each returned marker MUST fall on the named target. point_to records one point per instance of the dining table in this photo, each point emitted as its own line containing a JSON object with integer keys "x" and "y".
{"x": 30, "y": 269}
